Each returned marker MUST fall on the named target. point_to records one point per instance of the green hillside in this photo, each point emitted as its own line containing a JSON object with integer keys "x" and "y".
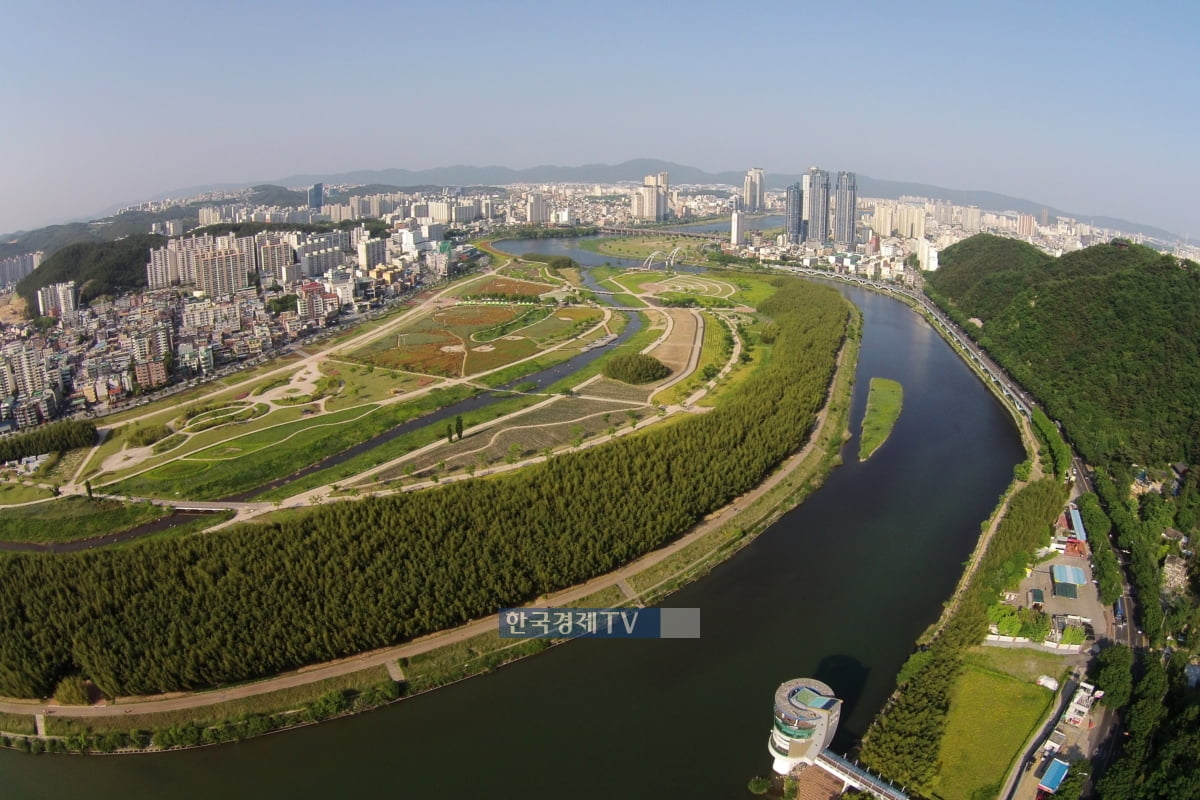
{"x": 1106, "y": 337}
{"x": 96, "y": 267}
{"x": 270, "y": 195}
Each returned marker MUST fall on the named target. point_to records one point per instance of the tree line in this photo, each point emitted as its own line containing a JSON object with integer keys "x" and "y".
{"x": 233, "y": 605}
{"x": 55, "y": 437}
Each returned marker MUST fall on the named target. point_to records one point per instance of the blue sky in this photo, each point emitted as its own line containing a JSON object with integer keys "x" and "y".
{"x": 1088, "y": 107}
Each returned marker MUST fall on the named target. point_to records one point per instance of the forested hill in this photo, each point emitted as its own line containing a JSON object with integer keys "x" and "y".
{"x": 1108, "y": 338}
{"x": 96, "y": 267}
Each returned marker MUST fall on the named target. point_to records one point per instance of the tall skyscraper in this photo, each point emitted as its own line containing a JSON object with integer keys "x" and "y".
{"x": 752, "y": 190}
{"x": 793, "y": 216}
{"x": 818, "y": 205}
{"x": 847, "y": 210}
{"x": 316, "y": 196}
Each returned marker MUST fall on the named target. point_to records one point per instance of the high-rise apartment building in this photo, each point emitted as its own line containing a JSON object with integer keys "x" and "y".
{"x": 818, "y": 205}
{"x": 57, "y": 299}
{"x": 752, "y": 190}
{"x": 649, "y": 201}
{"x": 847, "y": 210}
{"x": 793, "y": 220}
{"x": 537, "y": 210}
{"x": 883, "y": 222}
{"x": 736, "y": 228}
{"x": 222, "y": 272}
{"x": 316, "y": 196}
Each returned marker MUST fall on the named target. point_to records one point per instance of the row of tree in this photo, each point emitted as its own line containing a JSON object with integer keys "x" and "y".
{"x": 238, "y": 604}
{"x": 53, "y": 438}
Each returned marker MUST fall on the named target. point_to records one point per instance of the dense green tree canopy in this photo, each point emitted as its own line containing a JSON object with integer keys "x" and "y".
{"x": 1106, "y": 337}
{"x": 53, "y": 438}
{"x": 635, "y": 368}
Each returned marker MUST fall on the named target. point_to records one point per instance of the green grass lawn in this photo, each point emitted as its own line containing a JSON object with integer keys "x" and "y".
{"x": 71, "y": 518}
{"x": 1019, "y": 662}
{"x": 991, "y": 716}
{"x": 11, "y": 493}
{"x": 366, "y": 384}
{"x": 884, "y": 402}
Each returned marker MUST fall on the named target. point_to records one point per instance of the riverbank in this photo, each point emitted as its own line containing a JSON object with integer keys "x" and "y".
{"x": 650, "y": 577}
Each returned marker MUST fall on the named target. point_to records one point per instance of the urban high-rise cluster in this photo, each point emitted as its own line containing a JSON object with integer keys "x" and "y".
{"x": 13, "y": 268}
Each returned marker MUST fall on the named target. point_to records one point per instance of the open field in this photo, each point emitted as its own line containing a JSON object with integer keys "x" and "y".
{"x": 611, "y": 389}
{"x": 376, "y": 424}
{"x": 70, "y": 519}
{"x": 1020, "y": 662}
{"x": 506, "y": 284}
{"x": 244, "y": 463}
{"x": 676, "y": 350}
{"x": 562, "y": 422}
{"x": 714, "y": 354}
{"x": 364, "y": 383}
{"x": 443, "y": 342}
{"x": 991, "y": 716}
{"x": 11, "y": 493}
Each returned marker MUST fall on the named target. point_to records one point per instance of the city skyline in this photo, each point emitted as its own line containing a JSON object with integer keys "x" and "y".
{"x": 124, "y": 107}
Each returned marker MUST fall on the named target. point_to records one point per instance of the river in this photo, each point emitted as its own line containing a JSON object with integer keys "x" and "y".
{"x": 838, "y": 588}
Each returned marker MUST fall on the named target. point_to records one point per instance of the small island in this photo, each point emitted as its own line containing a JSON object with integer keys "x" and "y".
{"x": 884, "y": 401}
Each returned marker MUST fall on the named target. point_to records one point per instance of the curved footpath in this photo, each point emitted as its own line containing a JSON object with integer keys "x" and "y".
{"x": 391, "y": 655}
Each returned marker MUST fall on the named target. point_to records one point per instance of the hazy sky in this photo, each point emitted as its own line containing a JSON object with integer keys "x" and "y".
{"x": 1090, "y": 107}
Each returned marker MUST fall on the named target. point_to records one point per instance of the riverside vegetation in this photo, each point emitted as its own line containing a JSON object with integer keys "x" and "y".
{"x": 1105, "y": 338}
{"x": 884, "y": 400}
{"x": 180, "y": 614}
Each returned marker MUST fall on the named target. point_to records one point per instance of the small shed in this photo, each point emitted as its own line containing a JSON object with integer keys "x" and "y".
{"x": 1067, "y": 580}
{"x": 1037, "y": 597}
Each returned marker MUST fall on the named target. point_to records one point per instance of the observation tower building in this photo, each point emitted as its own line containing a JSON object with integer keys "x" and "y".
{"x": 806, "y": 717}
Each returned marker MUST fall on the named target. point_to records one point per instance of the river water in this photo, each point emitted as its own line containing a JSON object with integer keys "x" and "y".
{"x": 838, "y": 589}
